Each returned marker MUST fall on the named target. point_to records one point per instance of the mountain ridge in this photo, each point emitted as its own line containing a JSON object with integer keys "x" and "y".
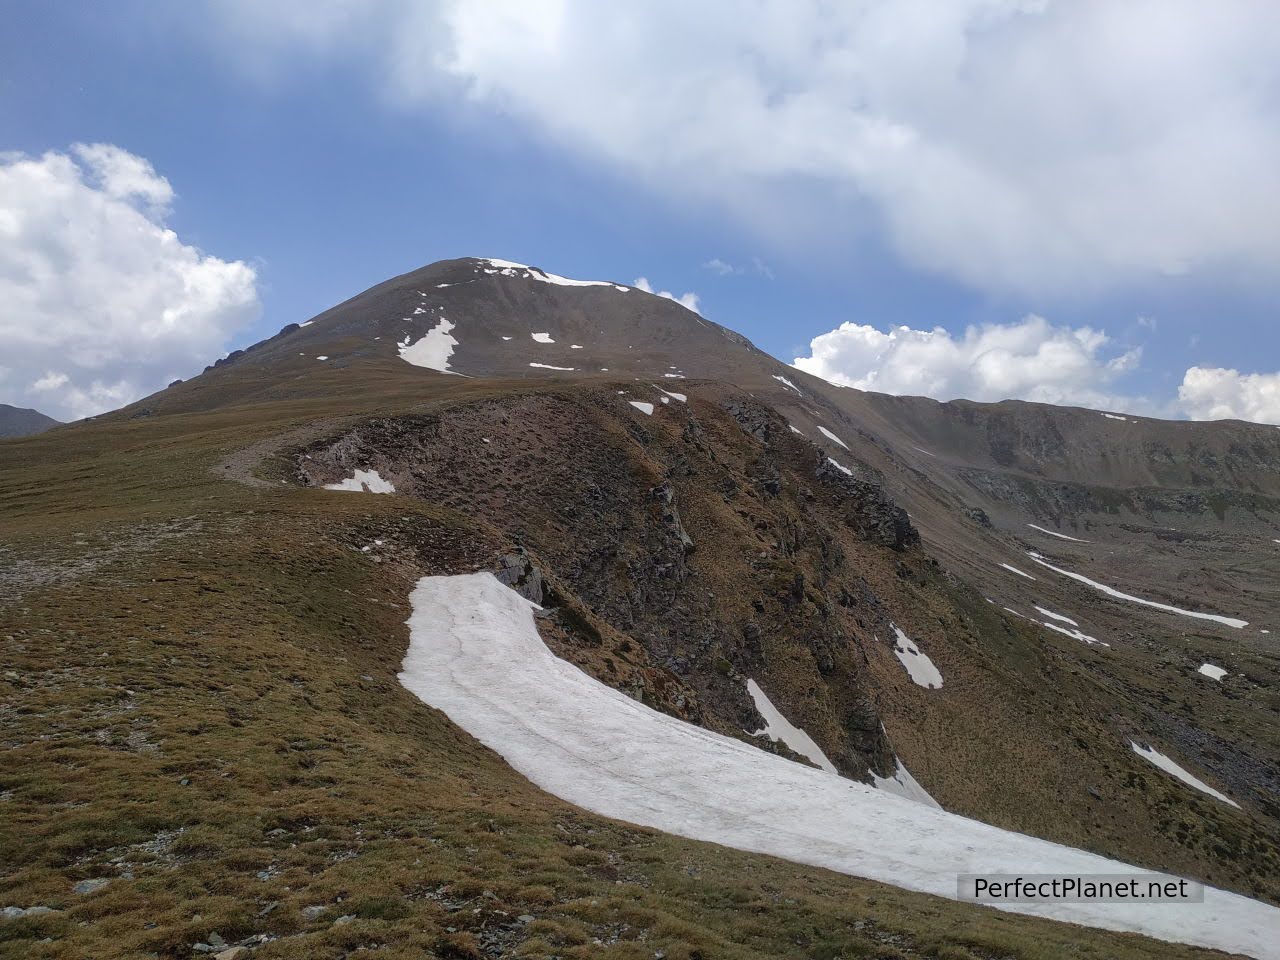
{"x": 696, "y": 518}
{"x": 23, "y": 422}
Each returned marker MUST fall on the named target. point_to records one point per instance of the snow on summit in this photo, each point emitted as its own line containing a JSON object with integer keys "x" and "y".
{"x": 509, "y": 268}
{"x": 475, "y": 653}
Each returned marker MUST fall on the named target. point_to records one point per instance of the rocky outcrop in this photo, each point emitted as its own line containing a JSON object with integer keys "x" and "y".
{"x": 518, "y": 572}
{"x": 868, "y": 509}
{"x": 664, "y": 495}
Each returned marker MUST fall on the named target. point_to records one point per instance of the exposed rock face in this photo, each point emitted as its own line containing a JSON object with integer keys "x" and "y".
{"x": 677, "y": 556}
{"x": 665, "y": 496}
{"x": 868, "y": 509}
{"x": 519, "y": 573}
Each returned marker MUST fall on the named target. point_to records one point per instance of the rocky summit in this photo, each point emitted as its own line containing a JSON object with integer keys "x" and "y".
{"x": 257, "y": 702}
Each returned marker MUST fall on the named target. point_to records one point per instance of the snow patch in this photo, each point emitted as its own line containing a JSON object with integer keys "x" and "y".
{"x": 792, "y": 428}
{"x": 674, "y": 396}
{"x": 840, "y": 466}
{"x": 322, "y": 358}
{"x": 1012, "y": 569}
{"x": 1212, "y": 672}
{"x": 475, "y": 654}
{"x": 1074, "y": 634}
{"x": 645, "y": 408}
{"x": 787, "y": 383}
{"x": 433, "y": 349}
{"x": 1115, "y": 416}
{"x": 832, "y": 437}
{"x": 779, "y": 728}
{"x": 542, "y": 337}
{"x": 904, "y": 785}
{"x": 1112, "y": 592}
{"x": 1057, "y": 616}
{"x": 547, "y": 366}
{"x": 919, "y": 666}
{"x": 1060, "y": 536}
{"x": 363, "y": 481}
{"x": 1168, "y": 766}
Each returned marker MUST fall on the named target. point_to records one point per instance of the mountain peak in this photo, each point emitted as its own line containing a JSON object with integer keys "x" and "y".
{"x": 23, "y": 421}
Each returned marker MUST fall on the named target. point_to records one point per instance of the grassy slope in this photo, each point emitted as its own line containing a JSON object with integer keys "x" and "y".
{"x": 199, "y": 702}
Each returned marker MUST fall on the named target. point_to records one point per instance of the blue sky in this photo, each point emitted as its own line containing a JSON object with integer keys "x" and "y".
{"x": 327, "y": 150}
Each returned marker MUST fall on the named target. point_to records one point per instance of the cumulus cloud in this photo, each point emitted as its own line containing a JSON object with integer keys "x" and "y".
{"x": 101, "y": 303}
{"x": 1025, "y": 145}
{"x": 1215, "y": 393}
{"x": 687, "y": 300}
{"x": 1029, "y": 360}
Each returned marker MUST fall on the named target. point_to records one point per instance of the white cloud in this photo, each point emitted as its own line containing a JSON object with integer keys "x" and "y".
{"x": 1028, "y": 360}
{"x": 50, "y": 381}
{"x": 101, "y": 303}
{"x": 1214, "y": 393}
{"x": 716, "y": 265}
{"x": 687, "y": 300}
{"x": 122, "y": 175}
{"x": 1027, "y": 145}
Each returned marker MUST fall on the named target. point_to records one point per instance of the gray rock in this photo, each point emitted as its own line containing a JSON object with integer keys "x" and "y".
{"x": 90, "y": 886}
{"x": 13, "y": 913}
{"x": 313, "y": 912}
{"x": 978, "y": 516}
{"x": 517, "y": 572}
{"x": 345, "y": 918}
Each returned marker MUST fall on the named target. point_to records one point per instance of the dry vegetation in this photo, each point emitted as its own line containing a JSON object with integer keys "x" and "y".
{"x": 200, "y": 708}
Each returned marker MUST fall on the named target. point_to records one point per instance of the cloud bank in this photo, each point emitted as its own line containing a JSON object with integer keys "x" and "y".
{"x": 101, "y": 303}
{"x": 1213, "y": 393}
{"x": 1034, "y": 146}
{"x": 1028, "y": 360}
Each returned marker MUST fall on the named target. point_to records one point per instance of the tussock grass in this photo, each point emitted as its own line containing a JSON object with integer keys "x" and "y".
{"x": 199, "y": 706}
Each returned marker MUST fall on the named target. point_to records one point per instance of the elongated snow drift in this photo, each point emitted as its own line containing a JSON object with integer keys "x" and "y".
{"x": 475, "y": 653}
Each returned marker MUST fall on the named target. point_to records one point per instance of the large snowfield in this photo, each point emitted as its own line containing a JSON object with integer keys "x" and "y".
{"x": 475, "y": 653}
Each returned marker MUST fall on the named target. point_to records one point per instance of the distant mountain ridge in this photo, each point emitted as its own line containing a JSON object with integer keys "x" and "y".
{"x": 23, "y": 422}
